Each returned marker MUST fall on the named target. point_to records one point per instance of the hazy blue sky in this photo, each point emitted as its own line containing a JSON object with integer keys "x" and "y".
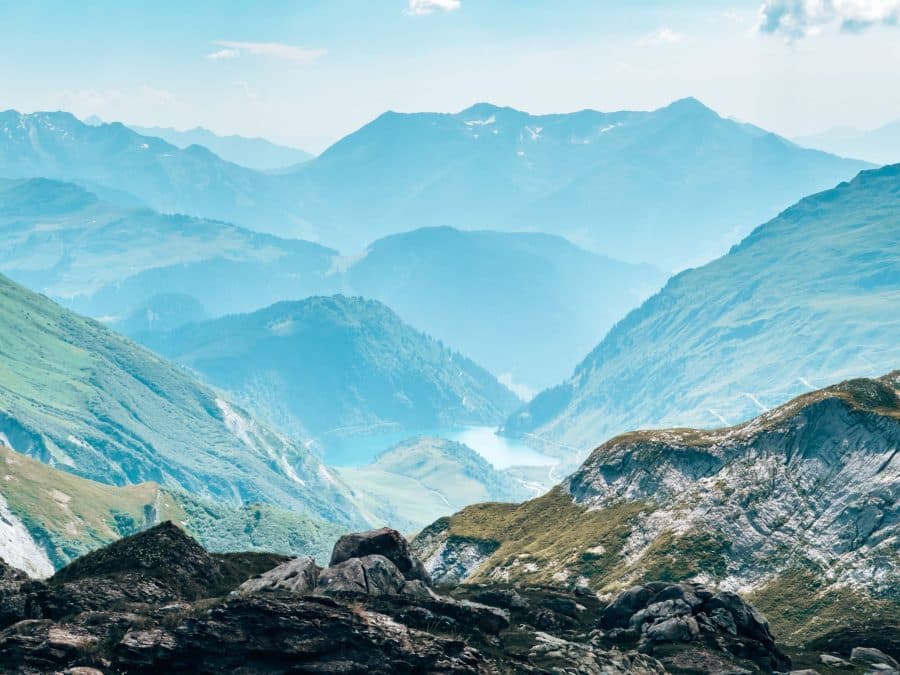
{"x": 309, "y": 71}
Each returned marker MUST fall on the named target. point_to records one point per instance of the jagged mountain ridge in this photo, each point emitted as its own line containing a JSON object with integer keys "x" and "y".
{"x": 809, "y": 298}
{"x": 803, "y": 499}
{"x": 326, "y": 363}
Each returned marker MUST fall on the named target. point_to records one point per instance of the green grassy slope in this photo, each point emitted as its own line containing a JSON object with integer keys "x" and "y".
{"x": 68, "y": 516}
{"x": 422, "y": 479}
{"x": 76, "y": 395}
{"x": 809, "y": 298}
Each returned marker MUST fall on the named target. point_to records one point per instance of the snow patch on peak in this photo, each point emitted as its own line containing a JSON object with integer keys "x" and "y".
{"x": 481, "y": 123}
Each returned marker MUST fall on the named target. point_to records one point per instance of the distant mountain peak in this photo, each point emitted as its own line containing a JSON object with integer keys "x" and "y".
{"x": 689, "y": 105}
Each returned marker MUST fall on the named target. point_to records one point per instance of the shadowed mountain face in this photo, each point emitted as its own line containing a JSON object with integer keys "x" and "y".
{"x": 521, "y": 304}
{"x": 75, "y": 395}
{"x": 669, "y": 187}
{"x": 798, "y": 507}
{"x": 810, "y": 297}
{"x": 328, "y": 364}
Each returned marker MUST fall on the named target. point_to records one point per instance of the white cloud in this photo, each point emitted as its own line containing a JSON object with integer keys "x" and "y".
{"x": 268, "y": 49}
{"x": 224, "y": 54}
{"x": 801, "y": 18}
{"x": 664, "y": 36}
{"x": 423, "y": 7}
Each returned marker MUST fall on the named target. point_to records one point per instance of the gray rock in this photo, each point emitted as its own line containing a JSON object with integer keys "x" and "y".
{"x": 295, "y": 576}
{"x": 384, "y": 542}
{"x": 418, "y": 589}
{"x": 660, "y": 610}
{"x": 805, "y": 671}
{"x": 619, "y": 612}
{"x": 835, "y": 661}
{"x": 873, "y": 657}
{"x": 724, "y": 620}
{"x": 371, "y": 575}
{"x": 676, "y": 629}
{"x": 747, "y": 619}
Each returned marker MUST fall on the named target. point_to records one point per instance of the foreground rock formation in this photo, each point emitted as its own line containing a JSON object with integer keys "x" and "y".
{"x": 157, "y": 602}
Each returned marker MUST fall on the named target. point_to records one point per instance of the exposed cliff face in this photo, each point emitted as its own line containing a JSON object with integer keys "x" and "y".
{"x": 802, "y": 497}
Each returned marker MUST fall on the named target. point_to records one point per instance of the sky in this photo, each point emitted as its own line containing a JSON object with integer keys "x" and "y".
{"x": 307, "y": 72}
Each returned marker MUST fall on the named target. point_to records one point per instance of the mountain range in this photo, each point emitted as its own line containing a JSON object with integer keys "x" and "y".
{"x": 107, "y": 260}
{"x": 333, "y": 365}
{"x": 500, "y": 298}
{"x": 810, "y": 297}
{"x": 253, "y": 153}
{"x": 879, "y": 146}
{"x": 669, "y": 187}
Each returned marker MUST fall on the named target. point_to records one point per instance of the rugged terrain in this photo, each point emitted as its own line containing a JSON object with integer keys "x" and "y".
{"x": 158, "y": 602}
{"x": 797, "y": 508}
{"x": 808, "y": 299}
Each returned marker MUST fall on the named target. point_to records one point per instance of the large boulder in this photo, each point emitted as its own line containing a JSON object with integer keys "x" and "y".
{"x": 690, "y": 614}
{"x": 370, "y": 574}
{"x": 875, "y": 658}
{"x": 384, "y": 542}
{"x": 299, "y": 575}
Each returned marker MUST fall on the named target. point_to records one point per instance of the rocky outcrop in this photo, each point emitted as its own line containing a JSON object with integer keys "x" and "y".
{"x": 299, "y": 575}
{"x": 384, "y": 542}
{"x": 690, "y": 614}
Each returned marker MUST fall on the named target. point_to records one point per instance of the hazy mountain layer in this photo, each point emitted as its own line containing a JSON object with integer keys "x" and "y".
{"x": 526, "y": 306}
{"x": 880, "y": 146}
{"x": 521, "y": 304}
{"x": 332, "y": 365}
{"x": 674, "y": 186}
{"x": 419, "y": 480}
{"x": 810, "y": 297}
{"x": 798, "y": 506}
{"x": 670, "y": 187}
{"x": 75, "y": 395}
{"x": 253, "y": 153}
{"x": 108, "y": 261}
